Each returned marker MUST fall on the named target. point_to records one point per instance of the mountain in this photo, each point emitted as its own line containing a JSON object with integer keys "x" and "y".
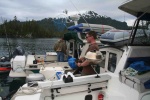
{"x": 52, "y": 27}
{"x": 93, "y": 18}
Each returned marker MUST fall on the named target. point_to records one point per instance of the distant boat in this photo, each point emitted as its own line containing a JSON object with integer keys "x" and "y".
{"x": 115, "y": 37}
{"x": 84, "y": 27}
{"x": 5, "y": 68}
{"x": 121, "y": 37}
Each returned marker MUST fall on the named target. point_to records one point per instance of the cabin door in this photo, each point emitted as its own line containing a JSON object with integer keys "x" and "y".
{"x": 111, "y": 59}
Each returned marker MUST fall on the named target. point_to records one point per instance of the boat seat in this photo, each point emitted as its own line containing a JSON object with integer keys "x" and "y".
{"x": 137, "y": 82}
{"x": 140, "y": 82}
{"x": 134, "y": 59}
{"x": 30, "y": 59}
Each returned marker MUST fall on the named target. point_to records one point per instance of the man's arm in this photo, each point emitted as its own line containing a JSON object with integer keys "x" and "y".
{"x": 83, "y": 64}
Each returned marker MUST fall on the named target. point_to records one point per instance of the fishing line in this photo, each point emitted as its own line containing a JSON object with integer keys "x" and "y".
{"x": 80, "y": 13}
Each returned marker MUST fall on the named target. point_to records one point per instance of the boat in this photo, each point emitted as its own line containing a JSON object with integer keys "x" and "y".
{"x": 5, "y": 65}
{"x": 5, "y": 68}
{"x": 115, "y": 37}
{"x": 32, "y": 63}
{"x": 85, "y": 27}
{"x": 118, "y": 37}
{"x": 124, "y": 72}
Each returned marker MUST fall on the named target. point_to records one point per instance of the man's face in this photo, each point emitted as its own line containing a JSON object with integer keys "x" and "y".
{"x": 88, "y": 38}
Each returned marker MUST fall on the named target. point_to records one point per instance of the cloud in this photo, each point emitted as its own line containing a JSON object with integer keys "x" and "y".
{"x": 39, "y": 9}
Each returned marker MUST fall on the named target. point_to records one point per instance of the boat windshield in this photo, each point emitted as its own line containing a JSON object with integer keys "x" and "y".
{"x": 141, "y": 33}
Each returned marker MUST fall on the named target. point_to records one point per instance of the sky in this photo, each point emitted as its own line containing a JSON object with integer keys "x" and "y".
{"x": 40, "y": 9}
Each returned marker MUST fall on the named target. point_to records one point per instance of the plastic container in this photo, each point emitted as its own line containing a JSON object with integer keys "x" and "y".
{"x": 72, "y": 63}
{"x": 50, "y": 72}
{"x": 18, "y": 63}
{"x": 58, "y": 75}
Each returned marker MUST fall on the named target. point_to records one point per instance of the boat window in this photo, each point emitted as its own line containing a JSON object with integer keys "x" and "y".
{"x": 82, "y": 35}
{"x": 142, "y": 36}
{"x": 146, "y": 97}
{"x": 112, "y": 62}
{"x": 71, "y": 48}
{"x": 102, "y": 64}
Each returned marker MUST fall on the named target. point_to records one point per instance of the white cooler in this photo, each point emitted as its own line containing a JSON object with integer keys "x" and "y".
{"x": 18, "y": 63}
{"x": 51, "y": 56}
{"x": 50, "y": 73}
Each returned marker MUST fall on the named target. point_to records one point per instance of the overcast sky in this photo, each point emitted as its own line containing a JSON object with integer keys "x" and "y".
{"x": 40, "y": 9}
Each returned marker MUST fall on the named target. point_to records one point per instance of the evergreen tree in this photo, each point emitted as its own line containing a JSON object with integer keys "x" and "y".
{"x": 52, "y": 27}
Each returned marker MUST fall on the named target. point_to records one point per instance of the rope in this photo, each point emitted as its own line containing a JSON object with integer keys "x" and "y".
{"x": 30, "y": 90}
{"x": 26, "y": 91}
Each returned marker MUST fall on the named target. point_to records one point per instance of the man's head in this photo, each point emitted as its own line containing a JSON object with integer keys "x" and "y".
{"x": 61, "y": 39}
{"x": 91, "y": 36}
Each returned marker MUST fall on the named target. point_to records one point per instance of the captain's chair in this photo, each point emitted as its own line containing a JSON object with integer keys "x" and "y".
{"x": 95, "y": 57}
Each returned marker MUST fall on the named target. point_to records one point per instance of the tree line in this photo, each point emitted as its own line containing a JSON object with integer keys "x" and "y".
{"x": 52, "y": 27}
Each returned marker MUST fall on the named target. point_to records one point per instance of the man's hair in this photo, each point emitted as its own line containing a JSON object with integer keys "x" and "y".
{"x": 92, "y": 33}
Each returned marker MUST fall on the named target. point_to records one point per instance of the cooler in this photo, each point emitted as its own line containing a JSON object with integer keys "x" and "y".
{"x": 18, "y": 63}
{"x": 51, "y": 73}
{"x": 51, "y": 56}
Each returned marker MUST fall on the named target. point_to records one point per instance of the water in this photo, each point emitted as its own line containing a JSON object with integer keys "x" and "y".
{"x": 38, "y": 46}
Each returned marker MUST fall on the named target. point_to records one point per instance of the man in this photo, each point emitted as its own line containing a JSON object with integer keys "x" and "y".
{"x": 60, "y": 48}
{"x": 86, "y": 64}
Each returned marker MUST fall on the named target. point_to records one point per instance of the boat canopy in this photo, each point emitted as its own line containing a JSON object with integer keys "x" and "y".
{"x": 85, "y": 27}
{"x": 72, "y": 35}
{"x": 137, "y": 8}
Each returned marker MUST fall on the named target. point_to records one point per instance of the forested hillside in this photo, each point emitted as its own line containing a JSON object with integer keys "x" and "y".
{"x": 52, "y": 27}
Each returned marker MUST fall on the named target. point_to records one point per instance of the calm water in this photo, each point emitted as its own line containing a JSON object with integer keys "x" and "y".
{"x": 39, "y": 46}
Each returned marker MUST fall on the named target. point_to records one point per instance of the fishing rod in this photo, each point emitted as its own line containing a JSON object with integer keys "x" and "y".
{"x": 80, "y": 14}
{"x": 7, "y": 40}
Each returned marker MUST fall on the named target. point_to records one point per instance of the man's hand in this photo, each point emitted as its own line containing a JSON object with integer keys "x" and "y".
{"x": 79, "y": 64}
{"x": 82, "y": 59}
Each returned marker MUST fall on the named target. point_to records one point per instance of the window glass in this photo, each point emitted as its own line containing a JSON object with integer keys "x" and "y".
{"x": 102, "y": 64}
{"x": 71, "y": 49}
{"x": 112, "y": 62}
{"x": 142, "y": 36}
{"x": 146, "y": 97}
